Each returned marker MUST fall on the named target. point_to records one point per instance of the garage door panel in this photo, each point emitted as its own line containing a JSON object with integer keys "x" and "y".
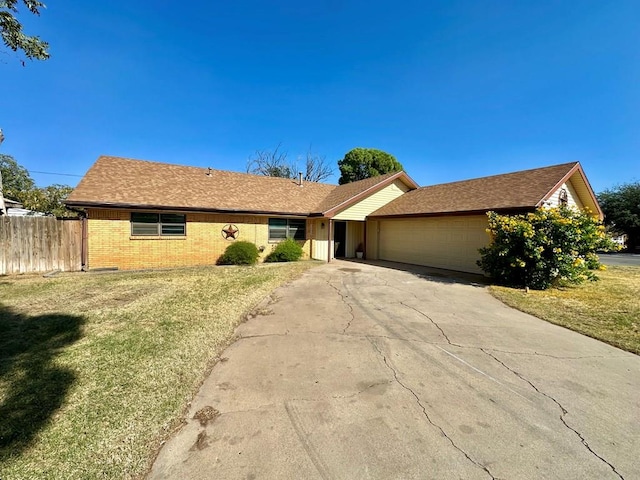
{"x": 443, "y": 242}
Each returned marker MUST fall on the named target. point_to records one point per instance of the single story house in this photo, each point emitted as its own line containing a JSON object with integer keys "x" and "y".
{"x": 142, "y": 214}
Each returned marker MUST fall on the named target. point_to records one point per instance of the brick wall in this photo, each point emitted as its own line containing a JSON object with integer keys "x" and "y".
{"x": 110, "y": 243}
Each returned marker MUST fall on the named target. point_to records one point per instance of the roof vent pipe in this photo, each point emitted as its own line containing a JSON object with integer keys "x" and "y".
{"x": 299, "y": 179}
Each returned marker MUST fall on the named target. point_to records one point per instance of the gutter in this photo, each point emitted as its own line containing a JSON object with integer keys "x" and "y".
{"x": 130, "y": 206}
{"x": 458, "y": 213}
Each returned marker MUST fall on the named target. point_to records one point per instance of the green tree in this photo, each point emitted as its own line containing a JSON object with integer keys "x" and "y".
{"x": 546, "y": 247}
{"x": 12, "y": 34}
{"x": 15, "y": 179}
{"x": 361, "y": 163}
{"x": 621, "y": 207}
{"x": 49, "y": 200}
{"x": 19, "y": 186}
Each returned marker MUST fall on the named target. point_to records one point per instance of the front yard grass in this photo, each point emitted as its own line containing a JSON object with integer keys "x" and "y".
{"x": 608, "y": 309}
{"x": 96, "y": 370}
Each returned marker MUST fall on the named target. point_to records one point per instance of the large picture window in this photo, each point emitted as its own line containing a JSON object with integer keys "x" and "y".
{"x": 283, "y": 228}
{"x": 158, "y": 224}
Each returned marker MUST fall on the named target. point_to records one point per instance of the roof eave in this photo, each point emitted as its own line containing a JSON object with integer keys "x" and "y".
{"x": 524, "y": 208}
{"x": 133, "y": 206}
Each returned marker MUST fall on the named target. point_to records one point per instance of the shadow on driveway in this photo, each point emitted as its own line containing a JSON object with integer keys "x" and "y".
{"x": 439, "y": 275}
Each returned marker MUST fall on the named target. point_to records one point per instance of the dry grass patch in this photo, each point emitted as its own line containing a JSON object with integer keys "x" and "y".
{"x": 608, "y": 310}
{"x": 95, "y": 370}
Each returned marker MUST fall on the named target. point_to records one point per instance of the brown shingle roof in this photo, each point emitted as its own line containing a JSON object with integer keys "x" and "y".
{"x": 518, "y": 190}
{"x": 123, "y": 182}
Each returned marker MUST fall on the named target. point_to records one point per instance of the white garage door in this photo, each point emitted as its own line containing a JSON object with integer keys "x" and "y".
{"x": 442, "y": 242}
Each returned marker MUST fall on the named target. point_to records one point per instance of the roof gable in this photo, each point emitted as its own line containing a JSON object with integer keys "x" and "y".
{"x": 578, "y": 180}
{"x": 343, "y": 196}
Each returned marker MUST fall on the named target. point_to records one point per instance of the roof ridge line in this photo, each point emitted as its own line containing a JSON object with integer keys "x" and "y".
{"x": 501, "y": 174}
{"x": 234, "y": 172}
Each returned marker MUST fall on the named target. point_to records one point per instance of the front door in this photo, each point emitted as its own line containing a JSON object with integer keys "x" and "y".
{"x": 340, "y": 238}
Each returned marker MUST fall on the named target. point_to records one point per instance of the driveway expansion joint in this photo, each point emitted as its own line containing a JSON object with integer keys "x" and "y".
{"x": 563, "y": 411}
{"x": 426, "y": 414}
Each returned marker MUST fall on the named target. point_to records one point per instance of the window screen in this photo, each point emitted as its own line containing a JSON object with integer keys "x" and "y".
{"x": 158, "y": 224}
{"x": 283, "y": 228}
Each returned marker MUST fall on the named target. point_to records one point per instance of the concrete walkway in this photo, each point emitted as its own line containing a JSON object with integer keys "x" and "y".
{"x": 360, "y": 371}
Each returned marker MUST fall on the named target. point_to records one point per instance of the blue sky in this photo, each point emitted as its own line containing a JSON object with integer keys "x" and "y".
{"x": 453, "y": 89}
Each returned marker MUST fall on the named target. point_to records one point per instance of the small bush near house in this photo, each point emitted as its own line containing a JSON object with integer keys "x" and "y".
{"x": 240, "y": 253}
{"x": 287, "y": 251}
{"x": 549, "y": 246}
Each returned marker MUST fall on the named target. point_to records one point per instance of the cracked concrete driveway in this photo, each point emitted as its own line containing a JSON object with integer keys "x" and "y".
{"x": 360, "y": 371}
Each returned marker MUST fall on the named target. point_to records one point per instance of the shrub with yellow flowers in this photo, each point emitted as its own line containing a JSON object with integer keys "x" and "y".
{"x": 544, "y": 248}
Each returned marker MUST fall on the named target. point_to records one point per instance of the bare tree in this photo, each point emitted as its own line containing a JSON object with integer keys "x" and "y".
{"x": 274, "y": 163}
{"x": 271, "y": 163}
{"x": 316, "y": 167}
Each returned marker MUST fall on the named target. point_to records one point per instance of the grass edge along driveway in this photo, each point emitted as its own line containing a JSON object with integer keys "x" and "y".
{"x": 96, "y": 370}
{"x": 608, "y": 309}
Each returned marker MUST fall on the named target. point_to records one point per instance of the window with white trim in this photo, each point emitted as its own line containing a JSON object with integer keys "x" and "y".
{"x": 283, "y": 228}
{"x": 158, "y": 224}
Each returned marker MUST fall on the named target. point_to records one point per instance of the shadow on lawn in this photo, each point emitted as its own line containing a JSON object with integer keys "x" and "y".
{"x": 35, "y": 387}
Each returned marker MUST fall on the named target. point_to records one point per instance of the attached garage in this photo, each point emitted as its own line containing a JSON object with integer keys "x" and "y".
{"x": 443, "y": 226}
{"x": 442, "y": 242}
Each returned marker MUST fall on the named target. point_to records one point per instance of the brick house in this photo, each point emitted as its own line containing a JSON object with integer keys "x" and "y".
{"x": 144, "y": 214}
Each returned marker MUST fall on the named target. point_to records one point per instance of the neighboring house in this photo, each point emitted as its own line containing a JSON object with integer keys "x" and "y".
{"x": 15, "y": 209}
{"x": 8, "y": 203}
{"x": 620, "y": 240}
{"x": 145, "y": 214}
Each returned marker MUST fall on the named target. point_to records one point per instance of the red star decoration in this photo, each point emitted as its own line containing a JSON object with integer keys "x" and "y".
{"x": 230, "y": 232}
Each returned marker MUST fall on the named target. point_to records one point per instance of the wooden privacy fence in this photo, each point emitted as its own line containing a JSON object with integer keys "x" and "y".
{"x": 39, "y": 244}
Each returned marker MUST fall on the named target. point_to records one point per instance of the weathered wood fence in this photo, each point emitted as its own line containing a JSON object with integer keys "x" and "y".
{"x": 39, "y": 244}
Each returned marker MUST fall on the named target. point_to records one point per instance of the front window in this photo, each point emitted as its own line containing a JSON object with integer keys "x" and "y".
{"x": 157, "y": 224}
{"x": 283, "y": 228}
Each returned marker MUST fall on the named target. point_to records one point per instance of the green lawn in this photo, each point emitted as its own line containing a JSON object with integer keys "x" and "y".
{"x": 608, "y": 309}
{"x": 96, "y": 370}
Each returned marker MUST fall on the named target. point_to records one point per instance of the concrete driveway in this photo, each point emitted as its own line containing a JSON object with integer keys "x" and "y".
{"x": 360, "y": 371}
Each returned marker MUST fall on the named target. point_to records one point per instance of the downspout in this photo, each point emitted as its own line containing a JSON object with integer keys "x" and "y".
{"x": 84, "y": 250}
{"x": 329, "y": 237}
{"x": 364, "y": 255}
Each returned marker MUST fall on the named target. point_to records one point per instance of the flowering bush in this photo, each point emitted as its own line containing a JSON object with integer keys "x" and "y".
{"x": 545, "y": 247}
